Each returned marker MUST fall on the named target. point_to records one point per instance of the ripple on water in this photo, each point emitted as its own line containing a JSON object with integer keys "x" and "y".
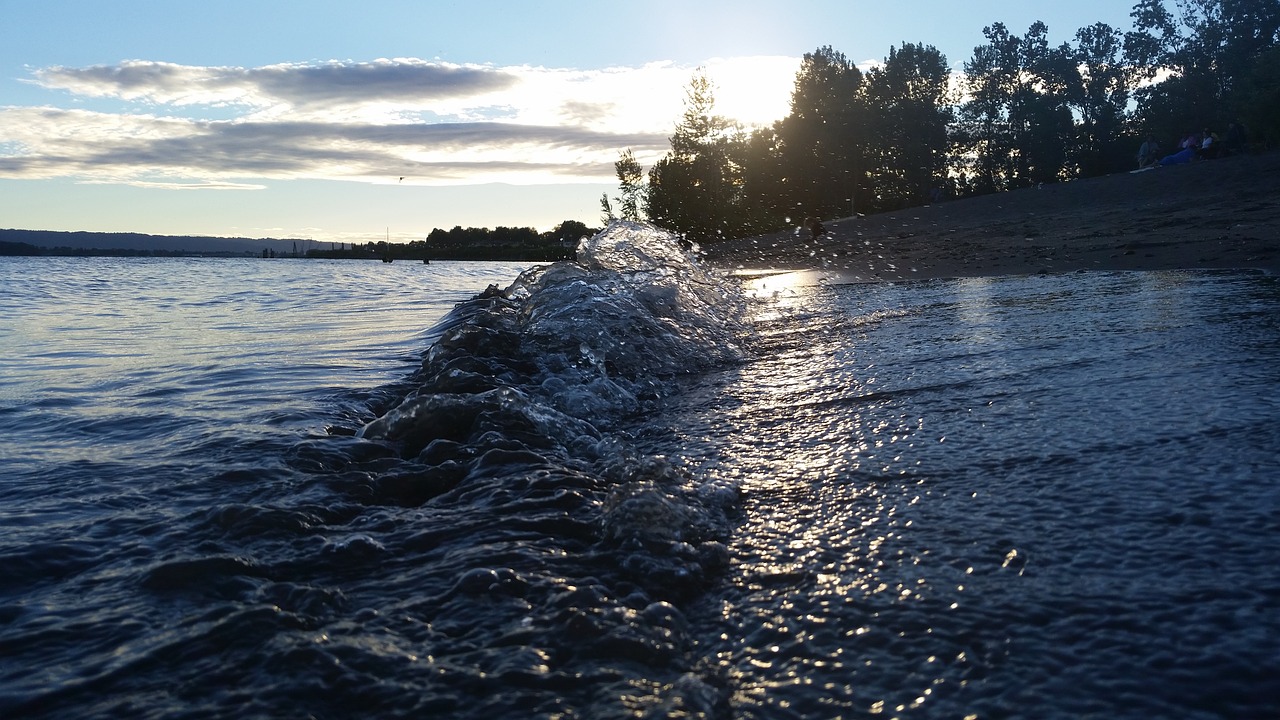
{"x": 1045, "y": 523}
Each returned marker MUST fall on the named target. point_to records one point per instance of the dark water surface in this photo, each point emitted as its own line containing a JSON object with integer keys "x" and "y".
{"x": 1020, "y": 497}
{"x": 626, "y": 489}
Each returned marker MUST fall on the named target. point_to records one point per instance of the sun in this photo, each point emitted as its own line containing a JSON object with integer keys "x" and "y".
{"x": 754, "y": 91}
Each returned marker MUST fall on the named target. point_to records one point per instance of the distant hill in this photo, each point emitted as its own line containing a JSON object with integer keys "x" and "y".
{"x": 88, "y": 242}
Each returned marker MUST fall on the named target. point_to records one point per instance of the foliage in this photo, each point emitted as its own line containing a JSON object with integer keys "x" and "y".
{"x": 1017, "y": 127}
{"x": 1100, "y": 100}
{"x": 696, "y": 188}
{"x": 1260, "y": 97}
{"x": 631, "y": 189}
{"x": 1024, "y": 111}
{"x": 824, "y": 138}
{"x": 1208, "y": 49}
{"x": 504, "y": 243}
{"x": 911, "y": 103}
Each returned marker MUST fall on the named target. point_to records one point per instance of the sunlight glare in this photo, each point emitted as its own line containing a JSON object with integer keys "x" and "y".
{"x": 754, "y": 91}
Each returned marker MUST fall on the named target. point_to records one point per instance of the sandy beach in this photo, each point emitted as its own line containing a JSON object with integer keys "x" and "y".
{"x": 1222, "y": 213}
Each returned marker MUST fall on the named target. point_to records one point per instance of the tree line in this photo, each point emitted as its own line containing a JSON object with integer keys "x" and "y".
{"x": 1022, "y": 112}
{"x": 472, "y": 243}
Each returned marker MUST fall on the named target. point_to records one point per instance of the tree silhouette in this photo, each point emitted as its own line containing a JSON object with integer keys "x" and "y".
{"x": 1100, "y": 99}
{"x": 696, "y": 187}
{"x": 1209, "y": 50}
{"x": 632, "y": 195}
{"x": 911, "y": 103}
{"x": 823, "y": 139}
{"x": 1015, "y": 129}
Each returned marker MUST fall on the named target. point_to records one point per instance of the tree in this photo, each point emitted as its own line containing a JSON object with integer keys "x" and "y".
{"x": 631, "y": 190}
{"x": 696, "y": 187}
{"x": 984, "y": 137}
{"x": 765, "y": 189}
{"x": 1102, "y": 145}
{"x": 1044, "y": 127}
{"x": 1260, "y": 90}
{"x": 909, "y": 97}
{"x": 1017, "y": 126}
{"x": 607, "y": 215}
{"x": 572, "y": 230}
{"x": 823, "y": 139}
{"x": 630, "y": 185}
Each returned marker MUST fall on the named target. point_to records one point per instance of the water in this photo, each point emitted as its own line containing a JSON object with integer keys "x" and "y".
{"x": 277, "y": 488}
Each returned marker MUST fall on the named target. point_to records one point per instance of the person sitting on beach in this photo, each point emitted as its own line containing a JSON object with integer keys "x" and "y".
{"x": 1209, "y": 147}
{"x": 815, "y": 227}
{"x": 1149, "y": 153}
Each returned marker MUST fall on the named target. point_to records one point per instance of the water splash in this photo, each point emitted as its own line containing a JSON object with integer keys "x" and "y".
{"x": 508, "y": 427}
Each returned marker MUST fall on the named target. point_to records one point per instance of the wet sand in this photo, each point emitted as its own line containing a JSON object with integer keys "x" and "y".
{"x": 1221, "y": 213}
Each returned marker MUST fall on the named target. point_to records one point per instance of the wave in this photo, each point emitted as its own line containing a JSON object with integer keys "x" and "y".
{"x": 540, "y": 534}
{"x": 481, "y": 538}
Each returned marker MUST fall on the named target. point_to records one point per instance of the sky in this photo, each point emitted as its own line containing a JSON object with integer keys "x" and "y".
{"x": 355, "y": 121}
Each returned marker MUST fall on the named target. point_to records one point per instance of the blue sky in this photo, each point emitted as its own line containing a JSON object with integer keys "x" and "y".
{"x": 300, "y": 119}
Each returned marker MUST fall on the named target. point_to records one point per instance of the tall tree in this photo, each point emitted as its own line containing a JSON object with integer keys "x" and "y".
{"x": 631, "y": 190}
{"x": 910, "y": 100}
{"x": 1261, "y": 88}
{"x": 1100, "y": 101}
{"x": 1044, "y": 126}
{"x": 765, "y": 188}
{"x": 823, "y": 139}
{"x": 696, "y": 187}
{"x": 1017, "y": 126}
{"x": 984, "y": 135}
{"x": 1200, "y": 54}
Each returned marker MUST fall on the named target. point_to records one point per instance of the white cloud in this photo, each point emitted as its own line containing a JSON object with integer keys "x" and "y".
{"x": 406, "y": 80}
{"x": 428, "y": 122}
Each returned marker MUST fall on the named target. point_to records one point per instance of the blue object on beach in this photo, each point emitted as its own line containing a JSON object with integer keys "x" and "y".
{"x": 1181, "y": 157}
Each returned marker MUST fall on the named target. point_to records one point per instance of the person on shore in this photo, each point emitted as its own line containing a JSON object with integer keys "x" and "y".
{"x": 1234, "y": 141}
{"x": 815, "y": 227}
{"x": 1188, "y": 150}
{"x": 1148, "y": 153}
{"x": 1209, "y": 146}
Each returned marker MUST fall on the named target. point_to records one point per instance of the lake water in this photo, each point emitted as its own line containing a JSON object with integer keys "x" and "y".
{"x": 634, "y": 488}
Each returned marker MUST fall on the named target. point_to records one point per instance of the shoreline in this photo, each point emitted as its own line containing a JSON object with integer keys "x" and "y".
{"x": 1213, "y": 214}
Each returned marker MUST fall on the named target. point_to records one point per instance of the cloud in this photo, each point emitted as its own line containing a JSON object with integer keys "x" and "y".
{"x": 136, "y": 148}
{"x": 184, "y": 186}
{"x": 408, "y": 81}
{"x": 167, "y": 125}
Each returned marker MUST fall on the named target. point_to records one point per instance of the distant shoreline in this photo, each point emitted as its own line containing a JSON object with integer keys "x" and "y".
{"x": 55, "y": 243}
{"x": 125, "y": 244}
{"x": 476, "y": 254}
{"x": 1213, "y": 214}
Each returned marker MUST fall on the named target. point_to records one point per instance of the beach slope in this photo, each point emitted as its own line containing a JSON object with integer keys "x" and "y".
{"x": 1221, "y": 213}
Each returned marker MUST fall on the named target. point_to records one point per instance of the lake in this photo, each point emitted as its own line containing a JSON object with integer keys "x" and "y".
{"x": 634, "y": 487}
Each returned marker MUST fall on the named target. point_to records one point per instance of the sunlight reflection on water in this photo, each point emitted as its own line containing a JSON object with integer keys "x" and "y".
{"x": 998, "y": 496}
